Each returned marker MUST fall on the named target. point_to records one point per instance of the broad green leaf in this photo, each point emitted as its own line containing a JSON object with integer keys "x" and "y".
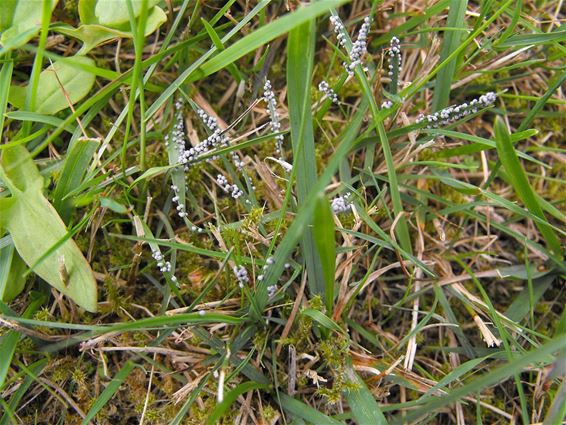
{"x": 36, "y": 228}
{"x": 111, "y": 204}
{"x": 20, "y": 21}
{"x": 5, "y": 205}
{"x": 110, "y": 12}
{"x": 95, "y": 34}
{"x": 50, "y": 96}
{"x": 91, "y": 35}
{"x": 153, "y": 172}
{"x": 508, "y": 158}
{"x": 21, "y": 170}
{"x": 75, "y": 166}
{"x": 7, "y": 13}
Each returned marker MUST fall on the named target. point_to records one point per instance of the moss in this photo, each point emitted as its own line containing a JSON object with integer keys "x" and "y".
{"x": 335, "y": 354}
{"x": 269, "y": 413}
{"x": 44, "y": 315}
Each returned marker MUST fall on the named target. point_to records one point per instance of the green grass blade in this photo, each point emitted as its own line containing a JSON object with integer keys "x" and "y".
{"x": 304, "y": 216}
{"x": 174, "y": 86}
{"x": 109, "y": 391}
{"x": 31, "y": 376}
{"x": 535, "y": 110}
{"x": 243, "y": 46}
{"x": 300, "y": 60}
{"x": 265, "y": 34}
{"x": 229, "y": 399}
{"x": 557, "y": 411}
{"x": 322, "y": 319}
{"x": 362, "y": 403}
{"x": 511, "y": 28}
{"x": 324, "y": 237}
{"x": 450, "y": 43}
{"x": 416, "y": 86}
{"x": 543, "y": 354}
{"x": 75, "y": 166}
{"x": 522, "y": 40}
{"x": 9, "y": 341}
{"x": 299, "y": 409}
{"x": 5, "y": 79}
{"x": 508, "y": 158}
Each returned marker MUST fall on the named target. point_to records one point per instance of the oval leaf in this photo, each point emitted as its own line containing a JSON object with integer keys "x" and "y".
{"x": 20, "y": 21}
{"x": 39, "y": 234}
{"x": 65, "y": 74}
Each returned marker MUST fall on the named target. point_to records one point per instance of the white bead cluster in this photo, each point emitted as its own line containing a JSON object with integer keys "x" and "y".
{"x": 209, "y": 121}
{"x": 180, "y": 207}
{"x": 394, "y": 56}
{"x": 359, "y": 49}
{"x": 177, "y": 138}
{"x": 327, "y": 90}
{"x": 271, "y": 289}
{"x": 232, "y": 189}
{"x": 241, "y": 275}
{"x": 162, "y": 265}
{"x": 269, "y": 98}
{"x": 178, "y": 132}
{"x": 341, "y": 204}
{"x": 455, "y": 113}
{"x": 268, "y": 263}
{"x": 339, "y": 30}
{"x": 215, "y": 140}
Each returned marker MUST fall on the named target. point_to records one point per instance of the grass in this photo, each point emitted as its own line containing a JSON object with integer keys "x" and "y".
{"x": 436, "y": 297}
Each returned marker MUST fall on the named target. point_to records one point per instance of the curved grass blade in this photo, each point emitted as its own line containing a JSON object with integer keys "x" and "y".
{"x": 362, "y": 403}
{"x": 9, "y": 341}
{"x": 243, "y": 46}
{"x": 324, "y": 237}
{"x": 109, "y": 391}
{"x": 542, "y": 354}
{"x": 508, "y": 158}
{"x": 229, "y": 399}
{"x": 74, "y": 168}
{"x": 450, "y": 43}
{"x": 322, "y": 319}
{"x": 300, "y": 61}
{"x": 299, "y": 409}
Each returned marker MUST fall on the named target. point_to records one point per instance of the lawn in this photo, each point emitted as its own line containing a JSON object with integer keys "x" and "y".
{"x": 282, "y": 212}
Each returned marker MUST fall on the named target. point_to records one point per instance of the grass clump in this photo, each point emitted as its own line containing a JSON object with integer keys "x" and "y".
{"x": 328, "y": 213}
